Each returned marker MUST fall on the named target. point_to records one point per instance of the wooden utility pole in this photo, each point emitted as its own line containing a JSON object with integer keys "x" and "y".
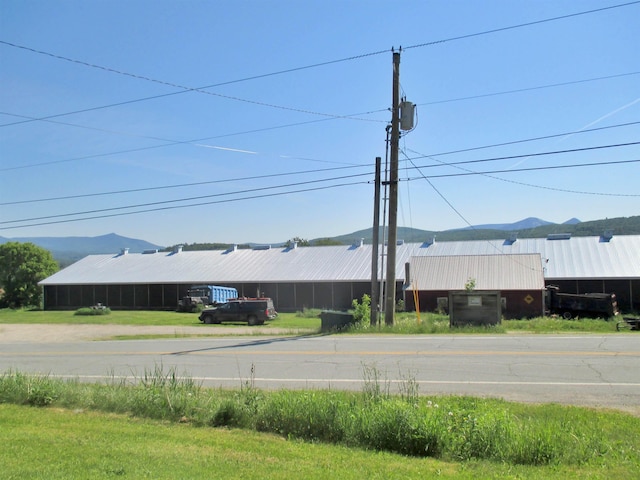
{"x": 375, "y": 290}
{"x": 390, "y": 294}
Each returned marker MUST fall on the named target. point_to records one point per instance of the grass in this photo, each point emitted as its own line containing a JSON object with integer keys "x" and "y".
{"x": 462, "y": 435}
{"x": 146, "y": 317}
{"x": 433, "y": 323}
{"x": 308, "y": 322}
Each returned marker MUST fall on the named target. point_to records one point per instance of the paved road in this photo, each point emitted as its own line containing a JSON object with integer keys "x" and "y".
{"x": 590, "y": 370}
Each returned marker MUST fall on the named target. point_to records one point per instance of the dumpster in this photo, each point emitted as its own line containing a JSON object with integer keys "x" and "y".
{"x": 333, "y": 320}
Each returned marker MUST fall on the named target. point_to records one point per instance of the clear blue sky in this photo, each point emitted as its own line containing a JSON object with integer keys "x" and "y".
{"x": 77, "y": 118}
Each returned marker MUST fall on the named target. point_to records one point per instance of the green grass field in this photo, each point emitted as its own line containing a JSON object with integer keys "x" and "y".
{"x": 169, "y": 427}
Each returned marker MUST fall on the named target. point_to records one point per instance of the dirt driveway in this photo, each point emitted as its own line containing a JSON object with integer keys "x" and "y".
{"x": 58, "y": 333}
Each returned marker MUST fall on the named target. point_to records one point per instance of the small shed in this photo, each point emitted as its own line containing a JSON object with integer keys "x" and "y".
{"x": 518, "y": 278}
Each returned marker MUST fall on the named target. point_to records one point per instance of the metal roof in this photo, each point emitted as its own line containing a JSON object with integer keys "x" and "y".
{"x": 489, "y": 272}
{"x": 575, "y": 258}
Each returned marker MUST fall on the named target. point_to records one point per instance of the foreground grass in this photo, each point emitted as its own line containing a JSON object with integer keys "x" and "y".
{"x": 414, "y": 436}
{"x": 78, "y": 444}
{"x": 66, "y": 444}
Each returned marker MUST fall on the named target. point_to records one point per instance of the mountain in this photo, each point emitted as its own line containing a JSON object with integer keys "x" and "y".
{"x": 526, "y": 228}
{"x": 67, "y": 250}
{"x": 531, "y": 222}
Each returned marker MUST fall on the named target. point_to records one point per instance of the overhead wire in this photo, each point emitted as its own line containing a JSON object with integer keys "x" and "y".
{"x": 203, "y": 89}
{"x": 200, "y": 197}
{"x": 183, "y": 89}
{"x": 303, "y": 172}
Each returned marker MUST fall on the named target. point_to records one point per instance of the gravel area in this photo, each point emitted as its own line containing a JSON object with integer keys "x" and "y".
{"x": 58, "y": 333}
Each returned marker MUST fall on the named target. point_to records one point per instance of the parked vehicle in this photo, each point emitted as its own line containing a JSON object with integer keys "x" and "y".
{"x": 570, "y": 305}
{"x": 254, "y": 311}
{"x": 205, "y": 295}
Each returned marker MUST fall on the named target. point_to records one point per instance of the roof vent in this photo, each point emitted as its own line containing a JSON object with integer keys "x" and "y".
{"x": 262, "y": 247}
{"x": 178, "y": 248}
{"x": 559, "y": 236}
{"x": 511, "y": 239}
{"x": 148, "y": 252}
{"x": 358, "y": 243}
{"x": 606, "y": 236}
{"x": 124, "y": 251}
{"x": 399, "y": 242}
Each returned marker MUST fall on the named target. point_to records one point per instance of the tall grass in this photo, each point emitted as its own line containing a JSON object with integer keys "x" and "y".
{"x": 434, "y": 323}
{"x": 450, "y": 428}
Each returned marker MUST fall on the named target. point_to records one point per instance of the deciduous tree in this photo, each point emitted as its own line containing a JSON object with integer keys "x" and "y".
{"x": 22, "y": 266}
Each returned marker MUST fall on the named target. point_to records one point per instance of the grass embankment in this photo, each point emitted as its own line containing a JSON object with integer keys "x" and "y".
{"x": 462, "y": 436}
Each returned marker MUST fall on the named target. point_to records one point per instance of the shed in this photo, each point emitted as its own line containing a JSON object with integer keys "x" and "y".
{"x": 519, "y": 278}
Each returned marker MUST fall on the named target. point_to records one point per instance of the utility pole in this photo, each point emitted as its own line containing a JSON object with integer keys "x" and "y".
{"x": 390, "y": 294}
{"x": 375, "y": 290}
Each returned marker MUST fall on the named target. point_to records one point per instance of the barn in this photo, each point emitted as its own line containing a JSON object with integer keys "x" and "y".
{"x": 330, "y": 277}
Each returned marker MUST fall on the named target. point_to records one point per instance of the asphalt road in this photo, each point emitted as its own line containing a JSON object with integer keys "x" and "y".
{"x": 588, "y": 370}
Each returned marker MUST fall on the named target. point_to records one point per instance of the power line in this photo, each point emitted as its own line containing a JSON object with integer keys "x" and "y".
{"x": 530, "y": 169}
{"x": 188, "y": 199}
{"x": 253, "y": 197}
{"x": 303, "y": 172}
{"x": 521, "y": 25}
{"x": 356, "y": 116}
{"x": 528, "y": 89}
{"x": 184, "y": 89}
{"x": 487, "y": 174}
{"x": 203, "y": 89}
{"x": 545, "y": 137}
{"x": 164, "y": 202}
{"x": 555, "y": 152}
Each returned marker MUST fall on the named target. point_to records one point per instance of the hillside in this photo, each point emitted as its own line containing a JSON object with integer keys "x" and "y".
{"x": 619, "y": 226}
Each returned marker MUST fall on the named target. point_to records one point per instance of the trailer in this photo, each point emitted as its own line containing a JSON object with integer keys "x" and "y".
{"x": 202, "y": 296}
{"x": 570, "y": 305}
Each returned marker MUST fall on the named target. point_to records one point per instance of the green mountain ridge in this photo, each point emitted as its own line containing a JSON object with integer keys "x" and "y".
{"x": 619, "y": 226}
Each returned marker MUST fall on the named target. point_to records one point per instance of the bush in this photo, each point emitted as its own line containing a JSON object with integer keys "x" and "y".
{"x": 95, "y": 310}
{"x": 362, "y": 310}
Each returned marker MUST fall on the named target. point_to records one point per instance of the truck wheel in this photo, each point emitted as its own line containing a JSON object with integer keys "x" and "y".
{"x": 252, "y": 320}
{"x": 567, "y": 315}
{"x": 208, "y": 319}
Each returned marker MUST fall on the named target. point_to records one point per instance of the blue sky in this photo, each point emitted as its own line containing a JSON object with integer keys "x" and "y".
{"x": 100, "y": 113}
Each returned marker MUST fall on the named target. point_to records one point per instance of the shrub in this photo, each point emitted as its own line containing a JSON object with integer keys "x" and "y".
{"x": 95, "y": 310}
{"x": 362, "y": 310}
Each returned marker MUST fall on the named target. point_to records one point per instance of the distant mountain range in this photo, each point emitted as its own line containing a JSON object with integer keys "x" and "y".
{"x": 527, "y": 223}
{"x": 67, "y": 250}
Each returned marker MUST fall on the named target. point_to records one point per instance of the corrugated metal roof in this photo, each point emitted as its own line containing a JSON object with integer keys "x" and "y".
{"x": 579, "y": 257}
{"x": 490, "y": 272}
